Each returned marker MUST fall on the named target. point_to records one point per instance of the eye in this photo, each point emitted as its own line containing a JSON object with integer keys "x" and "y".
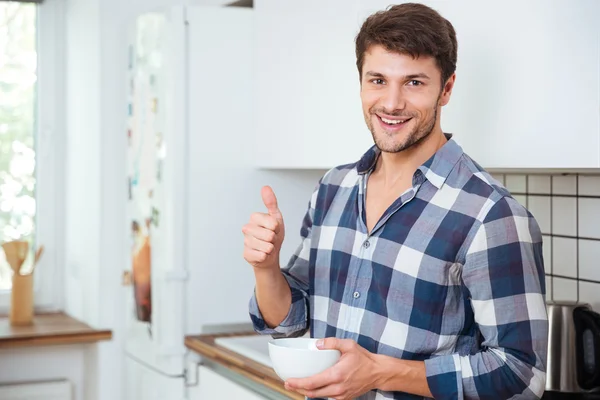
{"x": 415, "y": 82}
{"x": 377, "y": 81}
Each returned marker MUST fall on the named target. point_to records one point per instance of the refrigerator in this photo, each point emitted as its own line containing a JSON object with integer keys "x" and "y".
{"x": 192, "y": 185}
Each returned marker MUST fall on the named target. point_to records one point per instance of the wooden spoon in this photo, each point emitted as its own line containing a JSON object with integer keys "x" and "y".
{"x": 16, "y": 253}
{"x": 38, "y": 254}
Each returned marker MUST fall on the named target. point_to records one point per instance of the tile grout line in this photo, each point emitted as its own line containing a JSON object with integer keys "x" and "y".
{"x": 577, "y": 231}
{"x": 570, "y": 278}
{"x": 561, "y": 236}
{"x": 527, "y": 191}
{"x": 567, "y": 196}
{"x": 551, "y": 239}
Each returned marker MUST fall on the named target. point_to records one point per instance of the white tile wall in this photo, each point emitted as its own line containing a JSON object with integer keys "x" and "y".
{"x": 566, "y": 184}
{"x": 589, "y": 217}
{"x": 589, "y": 185}
{"x": 589, "y": 260}
{"x": 516, "y": 183}
{"x": 539, "y": 184}
{"x": 564, "y": 289}
{"x": 567, "y": 208}
{"x": 540, "y": 207}
{"x": 564, "y": 256}
{"x": 564, "y": 215}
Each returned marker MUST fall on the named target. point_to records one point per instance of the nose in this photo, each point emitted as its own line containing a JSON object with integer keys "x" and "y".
{"x": 393, "y": 98}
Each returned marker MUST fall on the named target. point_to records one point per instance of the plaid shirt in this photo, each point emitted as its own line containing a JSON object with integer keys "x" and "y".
{"x": 452, "y": 274}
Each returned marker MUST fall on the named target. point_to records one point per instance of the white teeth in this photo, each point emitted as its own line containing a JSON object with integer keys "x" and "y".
{"x": 392, "y": 121}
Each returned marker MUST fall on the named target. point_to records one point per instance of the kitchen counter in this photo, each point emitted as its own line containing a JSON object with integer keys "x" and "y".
{"x": 260, "y": 377}
{"x": 253, "y": 374}
{"x": 49, "y": 329}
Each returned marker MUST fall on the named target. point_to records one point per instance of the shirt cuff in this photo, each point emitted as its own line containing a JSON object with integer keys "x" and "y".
{"x": 444, "y": 377}
{"x": 294, "y": 324}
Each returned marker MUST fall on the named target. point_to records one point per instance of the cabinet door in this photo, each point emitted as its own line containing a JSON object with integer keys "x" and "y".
{"x": 308, "y": 106}
{"x": 527, "y": 93}
{"x": 143, "y": 383}
{"x": 213, "y": 386}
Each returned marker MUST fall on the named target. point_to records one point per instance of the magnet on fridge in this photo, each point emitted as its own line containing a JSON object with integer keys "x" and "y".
{"x": 155, "y": 216}
{"x": 154, "y": 105}
{"x": 159, "y": 167}
{"x": 130, "y": 56}
{"x": 130, "y": 106}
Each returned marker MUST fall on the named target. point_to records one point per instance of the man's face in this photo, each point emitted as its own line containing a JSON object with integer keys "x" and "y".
{"x": 401, "y": 97}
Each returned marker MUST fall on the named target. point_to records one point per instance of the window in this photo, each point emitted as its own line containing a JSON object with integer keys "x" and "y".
{"x": 30, "y": 118}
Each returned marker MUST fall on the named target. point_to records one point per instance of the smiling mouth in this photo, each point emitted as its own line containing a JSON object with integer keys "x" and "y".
{"x": 394, "y": 123}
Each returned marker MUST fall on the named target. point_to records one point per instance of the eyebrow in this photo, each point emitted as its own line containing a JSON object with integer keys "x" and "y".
{"x": 420, "y": 75}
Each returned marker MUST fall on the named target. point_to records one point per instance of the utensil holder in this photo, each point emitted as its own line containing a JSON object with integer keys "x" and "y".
{"x": 21, "y": 305}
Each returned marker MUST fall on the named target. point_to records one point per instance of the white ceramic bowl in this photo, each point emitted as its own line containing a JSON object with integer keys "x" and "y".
{"x": 300, "y": 357}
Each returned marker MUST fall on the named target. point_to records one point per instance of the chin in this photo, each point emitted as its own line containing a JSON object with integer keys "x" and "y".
{"x": 390, "y": 144}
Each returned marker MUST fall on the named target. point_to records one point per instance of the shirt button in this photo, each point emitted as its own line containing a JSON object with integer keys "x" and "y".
{"x": 367, "y": 244}
{"x": 356, "y": 295}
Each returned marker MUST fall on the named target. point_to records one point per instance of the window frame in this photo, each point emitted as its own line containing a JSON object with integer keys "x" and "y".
{"x": 49, "y": 157}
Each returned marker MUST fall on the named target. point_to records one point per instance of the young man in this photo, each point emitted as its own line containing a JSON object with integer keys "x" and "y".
{"x": 414, "y": 262}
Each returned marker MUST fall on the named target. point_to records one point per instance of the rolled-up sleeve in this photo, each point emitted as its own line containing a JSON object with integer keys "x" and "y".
{"x": 296, "y": 272}
{"x": 503, "y": 274}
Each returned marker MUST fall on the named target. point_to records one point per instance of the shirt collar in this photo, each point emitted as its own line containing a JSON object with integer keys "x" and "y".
{"x": 436, "y": 169}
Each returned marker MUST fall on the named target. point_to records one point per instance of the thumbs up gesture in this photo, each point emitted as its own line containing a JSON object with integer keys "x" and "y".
{"x": 264, "y": 233}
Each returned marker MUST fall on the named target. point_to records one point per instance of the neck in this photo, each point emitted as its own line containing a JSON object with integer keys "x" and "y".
{"x": 395, "y": 167}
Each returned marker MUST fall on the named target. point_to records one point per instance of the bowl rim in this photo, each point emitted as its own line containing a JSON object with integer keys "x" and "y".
{"x": 273, "y": 343}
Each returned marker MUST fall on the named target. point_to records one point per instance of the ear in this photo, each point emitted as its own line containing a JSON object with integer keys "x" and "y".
{"x": 447, "y": 90}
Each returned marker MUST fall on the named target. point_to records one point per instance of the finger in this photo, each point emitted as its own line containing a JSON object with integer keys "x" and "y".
{"x": 259, "y": 232}
{"x": 256, "y": 244}
{"x": 332, "y": 343}
{"x": 328, "y": 377}
{"x": 268, "y": 197}
{"x": 254, "y": 256}
{"x": 332, "y": 391}
{"x": 265, "y": 221}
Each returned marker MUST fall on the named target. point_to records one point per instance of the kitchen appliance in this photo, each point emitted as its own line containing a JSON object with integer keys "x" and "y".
{"x": 573, "y": 347}
{"x": 192, "y": 186}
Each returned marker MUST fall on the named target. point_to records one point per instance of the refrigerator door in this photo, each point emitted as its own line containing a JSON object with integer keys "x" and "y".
{"x": 154, "y": 308}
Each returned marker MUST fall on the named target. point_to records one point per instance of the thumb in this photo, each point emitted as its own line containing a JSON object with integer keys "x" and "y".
{"x": 270, "y": 201}
{"x": 332, "y": 343}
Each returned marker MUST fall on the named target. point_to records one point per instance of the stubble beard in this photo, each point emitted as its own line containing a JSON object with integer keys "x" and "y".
{"x": 386, "y": 142}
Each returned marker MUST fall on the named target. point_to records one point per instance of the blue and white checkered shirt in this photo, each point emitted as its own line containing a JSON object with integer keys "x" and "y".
{"x": 452, "y": 274}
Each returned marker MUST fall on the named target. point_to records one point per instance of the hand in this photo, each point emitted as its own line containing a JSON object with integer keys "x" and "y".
{"x": 353, "y": 375}
{"x": 264, "y": 234}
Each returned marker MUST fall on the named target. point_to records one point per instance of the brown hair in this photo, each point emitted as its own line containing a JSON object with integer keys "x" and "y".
{"x": 413, "y": 29}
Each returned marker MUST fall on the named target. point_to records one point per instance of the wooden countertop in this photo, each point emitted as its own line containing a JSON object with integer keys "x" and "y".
{"x": 205, "y": 345}
{"x": 49, "y": 329}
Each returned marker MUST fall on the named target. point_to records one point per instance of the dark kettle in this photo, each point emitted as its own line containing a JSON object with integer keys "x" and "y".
{"x": 573, "y": 347}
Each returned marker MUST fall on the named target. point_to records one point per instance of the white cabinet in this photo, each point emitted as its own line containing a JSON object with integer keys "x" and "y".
{"x": 144, "y": 383}
{"x": 527, "y": 93}
{"x": 52, "y": 390}
{"x": 527, "y": 89}
{"x": 308, "y": 106}
{"x": 212, "y": 386}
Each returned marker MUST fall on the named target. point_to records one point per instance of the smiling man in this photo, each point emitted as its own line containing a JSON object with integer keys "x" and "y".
{"x": 414, "y": 262}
